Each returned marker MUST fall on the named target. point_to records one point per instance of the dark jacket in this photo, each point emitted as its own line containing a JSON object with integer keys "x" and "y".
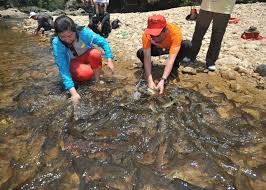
{"x": 45, "y": 21}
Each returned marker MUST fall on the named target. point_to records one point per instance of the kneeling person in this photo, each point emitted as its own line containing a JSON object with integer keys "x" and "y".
{"x": 74, "y": 53}
{"x": 101, "y": 21}
{"x": 158, "y": 39}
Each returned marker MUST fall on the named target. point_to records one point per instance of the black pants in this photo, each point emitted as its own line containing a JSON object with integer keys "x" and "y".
{"x": 90, "y": 10}
{"x": 155, "y": 51}
{"x": 106, "y": 28}
{"x": 220, "y": 22}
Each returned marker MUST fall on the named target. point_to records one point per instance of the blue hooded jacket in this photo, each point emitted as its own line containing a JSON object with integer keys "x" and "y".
{"x": 62, "y": 57}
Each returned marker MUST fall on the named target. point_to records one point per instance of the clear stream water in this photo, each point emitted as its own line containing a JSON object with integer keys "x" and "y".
{"x": 114, "y": 140}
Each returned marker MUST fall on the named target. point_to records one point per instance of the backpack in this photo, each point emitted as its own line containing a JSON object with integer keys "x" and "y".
{"x": 115, "y": 24}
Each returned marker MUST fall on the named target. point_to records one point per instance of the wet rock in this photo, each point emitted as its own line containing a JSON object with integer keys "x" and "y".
{"x": 252, "y": 112}
{"x": 36, "y": 75}
{"x": 43, "y": 39}
{"x": 146, "y": 159}
{"x": 261, "y": 86}
{"x": 6, "y": 170}
{"x": 136, "y": 95}
{"x": 27, "y": 28}
{"x": 261, "y": 69}
{"x": 210, "y": 73}
{"x": 51, "y": 151}
{"x": 228, "y": 61}
{"x": 188, "y": 84}
{"x": 5, "y": 121}
{"x": 235, "y": 87}
{"x": 15, "y": 28}
{"x": 241, "y": 70}
{"x": 189, "y": 70}
{"x": 256, "y": 76}
{"x": 223, "y": 111}
{"x": 209, "y": 86}
{"x": 6, "y": 16}
{"x": 5, "y": 53}
{"x": 118, "y": 93}
{"x": 228, "y": 75}
{"x": 70, "y": 181}
{"x": 243, "y": 99}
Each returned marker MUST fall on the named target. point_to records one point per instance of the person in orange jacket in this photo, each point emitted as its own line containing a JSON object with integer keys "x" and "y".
{"x": 158, "y": 39}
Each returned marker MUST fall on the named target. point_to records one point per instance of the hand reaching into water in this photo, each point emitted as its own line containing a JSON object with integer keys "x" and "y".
{"x": 151, "y": 84}
{"x": 160, "y": 86}
{"x": 110, "y": 64}
{"x": 75, "y": 99}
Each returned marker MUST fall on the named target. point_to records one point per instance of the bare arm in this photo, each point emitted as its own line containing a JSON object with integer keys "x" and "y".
{"x": 147, "y": 68}
{"x": 169, "y": 65}
{"x": 147, "y": 63}
{"x": 75, "y": 97}
{"x": 167, "y": 70}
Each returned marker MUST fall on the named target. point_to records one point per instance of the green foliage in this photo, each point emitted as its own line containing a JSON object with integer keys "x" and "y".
{"x": 59, "y": 4}
{"x": 55, "y": 4}
{"x": 46, "y": 4}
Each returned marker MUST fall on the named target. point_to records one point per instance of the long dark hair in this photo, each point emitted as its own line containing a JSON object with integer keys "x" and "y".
{"x": 64, "y": 23}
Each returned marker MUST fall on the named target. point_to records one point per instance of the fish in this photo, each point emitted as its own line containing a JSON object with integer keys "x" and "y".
{"x": 169, "y": 104}
{"x": 148, "y": 91}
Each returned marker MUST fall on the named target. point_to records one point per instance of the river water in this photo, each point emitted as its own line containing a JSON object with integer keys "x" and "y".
{"x": 116, "y": 139}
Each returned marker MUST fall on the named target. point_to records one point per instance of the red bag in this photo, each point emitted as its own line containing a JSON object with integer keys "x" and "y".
{"x": 234, "y": 20}
{"x": 251, "y": 34}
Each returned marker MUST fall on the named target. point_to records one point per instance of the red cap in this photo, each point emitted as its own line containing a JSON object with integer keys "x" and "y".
{"x": 156, "y": 23}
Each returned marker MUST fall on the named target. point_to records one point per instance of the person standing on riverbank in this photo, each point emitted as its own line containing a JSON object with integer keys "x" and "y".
{"x": 158, "y": 39}
{"x": 101, "y": 2}
{"x": 75, "y": 56}
{"x": 101, "y": 21}
{"x": 217, "y": 11}
{"x": 89, "y": 7}
{"x": 44, "y": 20}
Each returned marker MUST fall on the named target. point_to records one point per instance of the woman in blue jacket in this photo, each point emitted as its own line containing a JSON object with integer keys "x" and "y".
{"x": 74, "y": 53}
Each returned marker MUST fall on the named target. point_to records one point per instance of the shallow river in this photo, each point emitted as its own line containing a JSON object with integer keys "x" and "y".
{"x": 115, "y": 139}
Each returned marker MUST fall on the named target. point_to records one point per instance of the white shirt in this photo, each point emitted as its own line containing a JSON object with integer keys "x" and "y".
{"x": 80, "y": 48}
{"x": 102, "y": 1}
{"x": 218, "y": 6}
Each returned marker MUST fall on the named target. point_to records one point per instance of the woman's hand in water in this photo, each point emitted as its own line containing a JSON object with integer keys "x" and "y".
{"x": 110, "y": 64}
{"x": 75, "y": 97}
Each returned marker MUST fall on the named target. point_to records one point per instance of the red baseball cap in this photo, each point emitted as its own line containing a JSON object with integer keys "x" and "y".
{"x": 156, "y": 23}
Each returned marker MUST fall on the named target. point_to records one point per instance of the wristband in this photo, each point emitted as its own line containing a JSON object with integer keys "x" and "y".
{"x": 163, "y": 78}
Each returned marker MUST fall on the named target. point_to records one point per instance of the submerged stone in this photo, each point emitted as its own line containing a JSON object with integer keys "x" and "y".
{"x": 261, "y": 69}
